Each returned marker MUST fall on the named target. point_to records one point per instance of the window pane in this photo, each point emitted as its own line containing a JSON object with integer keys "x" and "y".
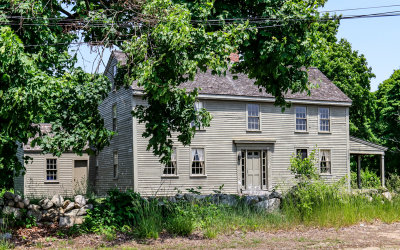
{"x": 302, "y": 153}
{"x": 253, "y": 109}
{"x": 301, "y": 124}
{"x": 301, "y": 112}
{"x": 324, "y": 113}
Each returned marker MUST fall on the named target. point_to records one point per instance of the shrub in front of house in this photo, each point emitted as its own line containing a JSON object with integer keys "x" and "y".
{"x": 369, "y": 179}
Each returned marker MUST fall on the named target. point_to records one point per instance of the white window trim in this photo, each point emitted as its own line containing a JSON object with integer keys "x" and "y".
{"x": 45, "y": 170}
{"x": 176, "y": 175}
{"x": 330, "y": 123}
{"x": 117, "y": 170}
{"x": 319, "y": 162}
{"x": 295, "y": 119}
{"x": 190, "y": 162}
{"x": 116, "y": 117}
{"x": 259, "y": 118}
{"x": 301, "y": 147}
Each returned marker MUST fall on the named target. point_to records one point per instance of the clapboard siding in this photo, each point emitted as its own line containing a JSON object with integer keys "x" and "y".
{"x": 121, "y": 142}
{"x": 35, "y": 185}
{"x": 228, "y": 124}
{"x": 358, "y": 146}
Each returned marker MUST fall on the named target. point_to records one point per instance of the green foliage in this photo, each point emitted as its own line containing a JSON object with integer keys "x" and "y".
{"x": 39, "y": 84}
{"x": 349, "y": 71}
{"x": 388, "y": 114}
{"x": 369, "y": 179}
{"x": 393, "y": 183}
{"x": 304, "y": 198}
{"x": 304, "y": 169}
{"x": 180, "y": 220}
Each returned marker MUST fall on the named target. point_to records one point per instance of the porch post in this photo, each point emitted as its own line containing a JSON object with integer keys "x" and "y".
{"x": 382, "y": 163}
{"x": 359, "y": 171}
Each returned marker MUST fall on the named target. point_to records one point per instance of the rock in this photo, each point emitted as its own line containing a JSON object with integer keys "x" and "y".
{"x": 69, "y": 207}
{"x": 17, "y": 198}
{"x": 9, "y": 196}
{"x": 46, "y": 204}
{"x": 251, "y": 200}
{"x": 66, "y": 221}
{"x": 26, "y": 202}
{"x": 12, "y": 211}
{"x": 35, "y": 213}
{"x": 179, "y": 196}
{"x": 274, "y": 195}
{"x": 189, "y": 197}
{"x": 80, "y": 200}
{"x": 5, "y": 236}
{"x": 274, "y": 204}
{"x": 10, "y": 203}
{"x": 264, "y": 197}
{"x": 172, "y": 199}
{"x": 66, "y": 203}
{"x": 82, "y": 211}
{"x": 387, "y": 195}
{"x": 228, "y": 200}
{"x": 270, "y": 205}
{"x": 79, "y": 220}
{"x": 34, "y": 207}
{"x": 20, "y": 204}
{"x": 57, "y": 200}
{"x": 50, "y": 215}
{"x": 72, "y": 213}
{"x": 89, "y": 206}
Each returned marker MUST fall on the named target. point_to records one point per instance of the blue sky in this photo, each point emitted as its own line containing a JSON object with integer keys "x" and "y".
{"x": 377, "y": 38}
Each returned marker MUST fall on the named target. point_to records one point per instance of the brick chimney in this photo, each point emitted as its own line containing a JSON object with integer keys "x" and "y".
{"x": 234, "y": 57}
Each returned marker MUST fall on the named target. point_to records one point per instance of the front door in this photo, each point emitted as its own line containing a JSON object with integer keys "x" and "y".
{"x": 253, "y": 180}
{"x": 80, "y": 176}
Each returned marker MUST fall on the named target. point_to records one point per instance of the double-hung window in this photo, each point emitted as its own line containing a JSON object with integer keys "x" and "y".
{"x": 51, "y": 169}
{"x": 171, "y": 167}
{"x": 302, "y": 153}
{"x": 301, "y": 119}
{"x": 114, "y": 117}
{"x": 325, "y": 161}
{"x": 198, "y": 161}
{"x": 197, "y": 107}
{"x": 324, "y": 119}
{"x": 253, "y": 117}
{"x": 115, "y": 165}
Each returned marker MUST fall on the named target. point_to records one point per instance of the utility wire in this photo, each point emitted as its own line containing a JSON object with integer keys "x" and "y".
{"x": 364, "y": 8}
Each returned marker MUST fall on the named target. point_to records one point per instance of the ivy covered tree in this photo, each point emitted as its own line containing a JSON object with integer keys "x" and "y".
{"x": 388, "y": 119}
{"x": 166, "y": 41}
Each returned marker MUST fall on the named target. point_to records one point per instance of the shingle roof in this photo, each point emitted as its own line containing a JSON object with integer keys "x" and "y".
{"x": 243, "y": 86}
{"x": 44, "y": 128}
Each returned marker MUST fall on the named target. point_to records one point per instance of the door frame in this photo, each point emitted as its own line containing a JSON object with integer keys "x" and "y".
{"x": 260, "y": 169}
{"x": 268, "y": 148}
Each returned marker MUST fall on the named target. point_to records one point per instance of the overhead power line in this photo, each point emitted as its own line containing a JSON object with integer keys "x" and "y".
{"x": 363, "y": 8}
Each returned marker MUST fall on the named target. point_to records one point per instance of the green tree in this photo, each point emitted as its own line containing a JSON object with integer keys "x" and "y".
{"x": 38, "y": 83}
{"x": 388, "y": 119}
{"x": 167, "y": 42}
{"x": 349, "y": 71}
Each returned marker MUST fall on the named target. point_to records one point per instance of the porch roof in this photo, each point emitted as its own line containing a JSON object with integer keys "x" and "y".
{"x": 362, "y": 147}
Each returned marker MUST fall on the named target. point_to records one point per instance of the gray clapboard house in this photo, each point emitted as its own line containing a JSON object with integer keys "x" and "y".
{"x": 247, "y": 147}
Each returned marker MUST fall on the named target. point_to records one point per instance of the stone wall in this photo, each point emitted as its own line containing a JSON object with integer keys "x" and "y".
{"x": 65, "y": 212}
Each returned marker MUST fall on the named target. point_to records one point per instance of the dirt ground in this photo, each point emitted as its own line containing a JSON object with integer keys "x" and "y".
{"x": 371, "y": 236}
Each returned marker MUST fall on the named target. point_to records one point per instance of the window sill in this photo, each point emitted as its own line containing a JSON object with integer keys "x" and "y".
{"x": 301, "y": 132}
{"x": 198, "y": 176}
{"x": 325, "y": 132}
{"x": 51, "y": 182}
{"x": 170, "y": 176}
{"x": 253, "y": 131}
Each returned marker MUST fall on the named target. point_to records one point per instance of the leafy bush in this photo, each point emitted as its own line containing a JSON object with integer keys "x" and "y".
{"x": 369, "y": 179}
{"x": 304, "y": 169}
{"x": 393, "y": 183}
{"x": 180, "y": 220}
